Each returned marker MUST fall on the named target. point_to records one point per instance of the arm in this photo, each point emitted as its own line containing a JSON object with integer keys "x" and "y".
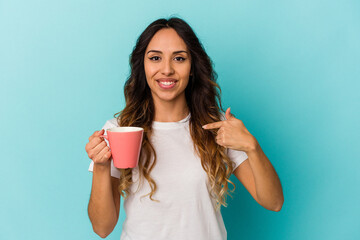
{"x": 256, "y": 173}
{"x": 104, "y": 203}
{"x": 259, "y": 177}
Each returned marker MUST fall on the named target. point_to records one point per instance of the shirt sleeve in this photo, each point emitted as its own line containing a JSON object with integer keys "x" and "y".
{"x": 237, "y": 157}
{"x": 113, "y": 171}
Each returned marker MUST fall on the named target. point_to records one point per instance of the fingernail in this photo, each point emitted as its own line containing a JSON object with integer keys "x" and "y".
{"x": 204, "y": 126}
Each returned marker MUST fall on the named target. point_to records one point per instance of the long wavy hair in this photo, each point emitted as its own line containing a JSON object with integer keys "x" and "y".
{"x": 204, "y": 103}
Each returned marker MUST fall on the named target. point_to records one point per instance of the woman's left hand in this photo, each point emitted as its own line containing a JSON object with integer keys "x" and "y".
{"x": 233, "y": 134}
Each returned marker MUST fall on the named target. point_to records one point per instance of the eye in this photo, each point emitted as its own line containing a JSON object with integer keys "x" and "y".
{"x": 154, "y": 58}
{"x": 179, "y": 59}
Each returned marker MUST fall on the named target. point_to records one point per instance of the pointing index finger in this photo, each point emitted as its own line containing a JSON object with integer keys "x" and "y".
{"x": 213, "y": 125}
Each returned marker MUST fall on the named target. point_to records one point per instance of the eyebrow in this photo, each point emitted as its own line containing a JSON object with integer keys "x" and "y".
{"x": 176, "y": 52}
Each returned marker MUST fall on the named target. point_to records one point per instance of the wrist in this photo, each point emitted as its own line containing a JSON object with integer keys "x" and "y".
{"x": 254, "y": 147}
{"x": 102, "y": 166}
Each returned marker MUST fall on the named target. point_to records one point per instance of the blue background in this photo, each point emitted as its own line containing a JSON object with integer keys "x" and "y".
{"x": 289, "y": 69}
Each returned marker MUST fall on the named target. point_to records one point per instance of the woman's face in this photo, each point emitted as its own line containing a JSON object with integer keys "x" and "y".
{"x": 167, "y": 63}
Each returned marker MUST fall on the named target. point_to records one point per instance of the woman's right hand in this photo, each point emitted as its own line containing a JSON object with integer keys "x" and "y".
{"x": 97, "y": 149}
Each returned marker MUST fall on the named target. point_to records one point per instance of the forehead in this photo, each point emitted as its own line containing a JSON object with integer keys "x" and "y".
{"x": 166, "y": 39}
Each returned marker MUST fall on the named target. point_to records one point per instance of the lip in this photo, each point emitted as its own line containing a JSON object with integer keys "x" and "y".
{"x": 159, "y": 81}
{"x": 166, "y": 80}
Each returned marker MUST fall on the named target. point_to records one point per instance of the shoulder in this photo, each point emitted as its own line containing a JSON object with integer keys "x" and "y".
{"x": 113, "y": 122}
{"x": 110, "y": 123}
{"x": 222, "y": 116}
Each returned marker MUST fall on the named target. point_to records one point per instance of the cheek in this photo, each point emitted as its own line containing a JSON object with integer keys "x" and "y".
{"x": 186, "y": 74}
{"x": 149, "y": 70}
{"x": 185, "y": 71}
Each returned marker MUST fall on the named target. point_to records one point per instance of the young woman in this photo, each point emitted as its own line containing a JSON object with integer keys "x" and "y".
{"x": 189, "y": 149}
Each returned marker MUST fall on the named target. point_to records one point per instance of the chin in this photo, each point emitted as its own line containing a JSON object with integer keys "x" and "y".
{"x": 166, "y": 98}
{"x": 169, "y": 99}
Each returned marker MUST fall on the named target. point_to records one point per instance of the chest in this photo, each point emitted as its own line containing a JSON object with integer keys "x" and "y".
{"x": 178, "y": 171}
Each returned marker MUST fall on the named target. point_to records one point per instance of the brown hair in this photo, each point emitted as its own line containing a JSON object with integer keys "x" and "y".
{"x": 203, "y": 100}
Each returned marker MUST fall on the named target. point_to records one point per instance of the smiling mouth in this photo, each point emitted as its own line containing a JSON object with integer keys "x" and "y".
{"x": 167, "y": 84}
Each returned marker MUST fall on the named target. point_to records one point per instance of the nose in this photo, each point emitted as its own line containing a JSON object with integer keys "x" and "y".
{"x": 167, "y": 67}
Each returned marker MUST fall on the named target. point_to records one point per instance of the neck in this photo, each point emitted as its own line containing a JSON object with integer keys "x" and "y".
{"x": 170, "y": 111}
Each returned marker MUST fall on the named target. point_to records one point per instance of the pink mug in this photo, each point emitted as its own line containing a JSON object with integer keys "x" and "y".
{"x": 125, "y": 145}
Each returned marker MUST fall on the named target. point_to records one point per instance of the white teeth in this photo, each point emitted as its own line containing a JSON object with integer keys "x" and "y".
{"x": 167, "y": 83}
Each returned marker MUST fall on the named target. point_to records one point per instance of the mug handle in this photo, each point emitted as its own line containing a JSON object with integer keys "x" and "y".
{"x": 104, "y": 136}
